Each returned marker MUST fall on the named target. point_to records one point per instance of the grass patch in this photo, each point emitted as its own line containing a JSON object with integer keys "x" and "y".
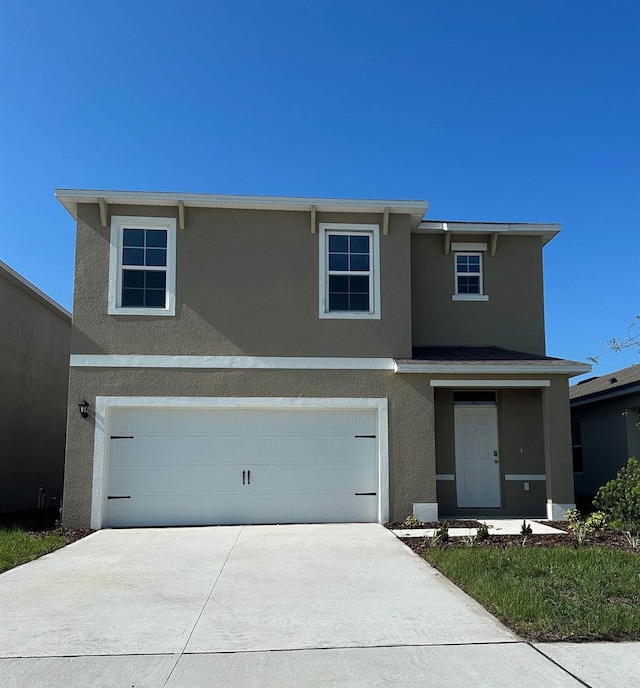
{"x": 18, "y": 547}
{"x": 550, "y": 594}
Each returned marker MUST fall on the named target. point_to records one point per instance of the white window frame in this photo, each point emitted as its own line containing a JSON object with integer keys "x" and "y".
{"x": 468, "y": 297}
{"x": 120, "y": 222}
{"x": 326, "y": 229}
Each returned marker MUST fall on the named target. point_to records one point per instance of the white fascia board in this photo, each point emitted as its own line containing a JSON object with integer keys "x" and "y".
{"x": 492, "y": 384}
{"x": 570, "y": 369}
{"x": 545, "y": 230}
{"x": 70, "y": 198}
{"x": 229, "y": 362}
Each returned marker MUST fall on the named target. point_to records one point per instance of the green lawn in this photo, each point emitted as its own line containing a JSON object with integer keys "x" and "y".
{"x": 28, "y": 535}
{"x": 18, "y": 547}
{"x": 554, "y": 593}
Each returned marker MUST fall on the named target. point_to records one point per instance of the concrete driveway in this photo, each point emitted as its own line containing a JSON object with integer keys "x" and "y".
{"x": 301, "y": 605}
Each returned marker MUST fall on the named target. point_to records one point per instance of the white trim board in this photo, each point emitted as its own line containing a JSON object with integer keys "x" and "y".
{"x": 103, "y": 404}
{"x": 490, "y": 383}
{"x": 225, "y": 362}
{"x": 523, "y": 476}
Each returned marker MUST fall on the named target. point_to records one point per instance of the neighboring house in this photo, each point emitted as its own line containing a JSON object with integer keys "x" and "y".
{"x": 605, "y": 427}
{"x": 34, "y": 378}
{"x": 275, "y": 360}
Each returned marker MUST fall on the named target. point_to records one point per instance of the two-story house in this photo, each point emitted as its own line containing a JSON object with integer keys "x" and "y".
{"x": 245, "y": 359}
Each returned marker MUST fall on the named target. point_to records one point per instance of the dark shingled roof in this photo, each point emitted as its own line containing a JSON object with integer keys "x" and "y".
{"x": 480, "y": 354}
{"x": 625, "y": 378}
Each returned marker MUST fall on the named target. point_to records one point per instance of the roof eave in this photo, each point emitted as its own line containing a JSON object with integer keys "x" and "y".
{"x": 545, "y": 230}
{"x": 70, "y": 198}
{"x": 570, "y": 368}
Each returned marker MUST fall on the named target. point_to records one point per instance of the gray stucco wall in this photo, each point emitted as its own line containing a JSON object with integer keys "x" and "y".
{"x": 247, "y": 284}
{"x": 411, "y": 431}
{"x": 609, "y": 438}
{"x": 34, "y": 367}
{"x": 512, "y": 318}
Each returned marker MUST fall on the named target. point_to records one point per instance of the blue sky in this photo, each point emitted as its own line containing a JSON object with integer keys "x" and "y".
{"x": 492, "y": 110}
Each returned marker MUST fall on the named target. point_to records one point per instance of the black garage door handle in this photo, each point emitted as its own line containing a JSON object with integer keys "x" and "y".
{"x": 118, "y": 497}
{"x": 366, "y": 494}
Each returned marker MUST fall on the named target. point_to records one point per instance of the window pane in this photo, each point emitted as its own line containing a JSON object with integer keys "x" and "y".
{"x": 154, "y": 298}
{"x": 359, "y": 285}
{"x": 338, "y": 261}
{"x": 359, "y": 302}
{"x": 359, "y": 244}
{"x": 133, "y": 256}
{"x": 133, "y": 297}
{"x": 474, "y": 262}
{"x": 155, "y": 279}
{"x": 133, "y": 279}
{"x": 156, "y": 256}
{"x": 157, "y": 238}
{"x": 461, "y": 262}
{"x": 576, "y": 434}
{"x": 359, "y": 262}
{"x": 338, "y": 284}
{"x": 468, "y": 285}
{"x": 338, "y": 243}
{"x": 133, "y": 237}
{"x": 338, "y": 302}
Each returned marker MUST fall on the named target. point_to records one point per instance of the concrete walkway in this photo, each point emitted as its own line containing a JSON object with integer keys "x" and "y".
{"x": 253, "y": 606}
{"x": 501, "y": 526}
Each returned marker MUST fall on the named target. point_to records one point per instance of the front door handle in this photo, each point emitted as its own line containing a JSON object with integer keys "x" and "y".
{"x": 243, "y": 474}
{"x": 249, "y": 477}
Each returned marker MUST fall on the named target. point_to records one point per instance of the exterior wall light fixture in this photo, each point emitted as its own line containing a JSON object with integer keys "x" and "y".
{"x": 84, "y": 408}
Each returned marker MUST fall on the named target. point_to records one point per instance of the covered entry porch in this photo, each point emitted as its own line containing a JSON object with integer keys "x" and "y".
{"x": 502, "y": 431}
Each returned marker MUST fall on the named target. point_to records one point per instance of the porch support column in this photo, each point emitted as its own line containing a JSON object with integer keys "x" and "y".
{"x": 423, "y": 482}
{"x": 558, "y": 460}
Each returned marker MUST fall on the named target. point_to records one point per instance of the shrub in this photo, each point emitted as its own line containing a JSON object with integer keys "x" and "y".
{"x": 597, "y": 520}
{"x": 619, "y": 499}
{"x": 411, "y": 521}
{"x": 483, "y": 531}
{"x": 525, "y": 529}
{"x": 442, "y": 534}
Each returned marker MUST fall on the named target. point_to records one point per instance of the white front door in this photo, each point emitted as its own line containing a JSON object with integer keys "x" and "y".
{"x": 477, "y": 462}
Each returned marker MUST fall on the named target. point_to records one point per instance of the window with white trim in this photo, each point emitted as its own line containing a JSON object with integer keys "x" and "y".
{"x": 468, "y": 277}
{"x": 349, "y": 271}
{"x": 142, "y": 266}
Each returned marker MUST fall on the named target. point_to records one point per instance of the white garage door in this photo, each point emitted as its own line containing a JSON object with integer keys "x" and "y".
{"x": 227, "y": 466}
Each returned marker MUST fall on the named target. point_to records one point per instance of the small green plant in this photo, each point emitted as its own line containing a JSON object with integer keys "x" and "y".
{"x": 597, "y": 520}
{"x": 573, "y": 516}
{"x": 633, "y": 540}
{"x": 580, "y": 532}
{"x": 443, "y": 532}
{"x": 59, "y": 528}
{"x": 483, "y": 531}
{"x": 469, "y": 540}
{"x": 411, "y": 521}
{"x": 620, "y": 498}
{"x": 526, "y": 530}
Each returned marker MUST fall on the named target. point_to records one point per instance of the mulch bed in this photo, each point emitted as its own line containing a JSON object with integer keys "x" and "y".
{"x": 70, "y": 535}
{"x": 605, "y": 538}
{"x": 433, "y": 524}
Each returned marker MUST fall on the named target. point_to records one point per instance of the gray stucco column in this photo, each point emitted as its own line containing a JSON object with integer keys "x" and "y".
{"x": 558, "y": 459}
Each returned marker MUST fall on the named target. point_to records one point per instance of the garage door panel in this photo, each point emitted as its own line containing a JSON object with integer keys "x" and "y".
{"x": 185, "y": 466}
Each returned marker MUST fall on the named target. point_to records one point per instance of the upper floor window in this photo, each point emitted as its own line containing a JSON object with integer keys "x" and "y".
{"x": 142, "y": 266}
{"x": 349, "y": 271}
{"x": 468, "y": 277}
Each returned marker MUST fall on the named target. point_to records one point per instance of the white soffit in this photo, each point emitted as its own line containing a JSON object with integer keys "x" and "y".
{"x": 545, "y": 230}
{"x": 70, "y": 198}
